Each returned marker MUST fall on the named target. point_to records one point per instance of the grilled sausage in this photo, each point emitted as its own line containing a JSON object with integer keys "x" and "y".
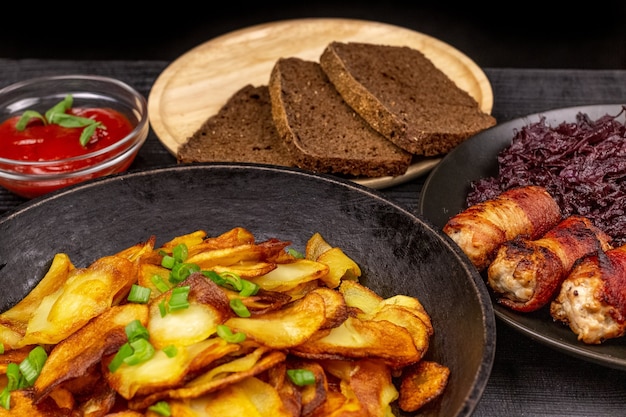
{"x": 592, "y": 299}
{"x": 480, "y": 229}
{"x": 526, "y": 274}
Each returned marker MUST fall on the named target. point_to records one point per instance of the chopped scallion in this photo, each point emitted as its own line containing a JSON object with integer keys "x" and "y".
{"x": 226, "y": 333}
{"x": 180, "y": 252}
{"x": 139, "y": 294}
{"x": 181, "y": 271}
{"x": 170, "y": 351}
{"x": 161, "y": 408}
{"x": 179, "y": 298}
{"x": 239, "y": 308}
{"x": 295, "y": 253}
{"x": 125, "y": 351}
{"x": 248, "y": 288}
{"x": 301, "y": 377}
{"x": 159, "y": 283}
{"x": 168, "y": 261}
{"x": 5, "y": 398}
{"x": 142, "y": 352}
{"x": 135, "y": 330}
{"x": 32, "y": 365}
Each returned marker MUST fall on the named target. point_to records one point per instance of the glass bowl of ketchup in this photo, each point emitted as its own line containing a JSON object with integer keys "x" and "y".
{"x": 58, "y": 131}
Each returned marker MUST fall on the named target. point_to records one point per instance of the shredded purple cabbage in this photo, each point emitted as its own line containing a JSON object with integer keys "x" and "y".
{"x": 582, "y": 164}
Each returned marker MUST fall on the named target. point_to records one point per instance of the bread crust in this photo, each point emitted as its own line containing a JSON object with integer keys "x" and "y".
{"x": 404, "y": 96}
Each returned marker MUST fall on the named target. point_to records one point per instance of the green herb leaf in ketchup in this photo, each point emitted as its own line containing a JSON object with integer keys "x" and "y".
{"x": 58, "y": 115}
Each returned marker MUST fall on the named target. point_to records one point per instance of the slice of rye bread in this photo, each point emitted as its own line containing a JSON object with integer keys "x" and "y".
{"x": 404, "y": 96}
{"x": 241, "y": 131}
{"x": 322, "y": 132}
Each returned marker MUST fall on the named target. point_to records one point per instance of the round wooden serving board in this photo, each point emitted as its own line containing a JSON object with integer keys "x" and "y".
{"x": 197, "y": 84}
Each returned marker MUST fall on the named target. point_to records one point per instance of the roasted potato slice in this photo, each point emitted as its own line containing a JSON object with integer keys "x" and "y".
{"x": 287, "y": 327}
{"x": 288, "y": 276}
{"x": 250, "y": 397}
{"x": 367, "y": 380}
{"x": 23, "y": 404}
{"x": 341, "y": 266}
{"x": 235, "y": 237}
{"x": 217, "y": 378}
{"x": 271, "y": 250}
{"x": 162, "y": 372}
{"x": 356, "y": 338}
{"x": 86, "y": 293}
{"x": 421, "y": 383}
{"x": 360, "y": 297}
{"x": 208, "y": 307}
{"x": 14, "y": 321}
{"x": 191, "y": 240}
{"x": 75, "y": 354}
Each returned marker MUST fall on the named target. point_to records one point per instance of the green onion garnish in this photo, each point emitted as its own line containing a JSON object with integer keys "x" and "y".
{"x": 170, "y": 351}
{"x": 159, "y": 283}
{"x": 125, "y": 351}
{"x": 161, "y": 408}
{"x": 139, "y": 294}
{"x": 295, "y": 253}
{"x": 180, "y": 271}
{"x": 301, "y": 377}
{"x": 179, "y": 299}
{"x": 32, "y": 365}
{"x": 226, "y": 333}
{"x": 168, "y": 261}
{"x": 142, "y": 351}
{"x": 135, "y": 330}
{"x": 180, "y": 252}
{"x": 239, "y": 308}
{"x": 248, "y": 288}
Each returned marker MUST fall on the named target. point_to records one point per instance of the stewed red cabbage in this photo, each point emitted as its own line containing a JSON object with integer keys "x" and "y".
{"x": 582, "y": 164}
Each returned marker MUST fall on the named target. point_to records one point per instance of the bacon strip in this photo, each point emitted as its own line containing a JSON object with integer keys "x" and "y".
{"x": 526, "y": 274}
{"x": 592, "y": 299}
{"x": 480, "y": 229}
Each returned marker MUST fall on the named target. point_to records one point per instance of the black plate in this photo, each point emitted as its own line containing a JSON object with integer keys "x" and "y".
{"x": 397, "y": 251}
{"x": 444, "y": 195}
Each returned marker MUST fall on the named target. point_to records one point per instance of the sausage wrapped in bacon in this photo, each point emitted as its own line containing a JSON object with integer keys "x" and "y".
{"x": 592, "y": 299}
{"x": 481, "y": 229}
{"x": 526, "y": 274}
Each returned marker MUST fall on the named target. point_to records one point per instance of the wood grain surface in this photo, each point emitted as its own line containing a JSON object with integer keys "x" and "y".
{"x": 197, "y": 84}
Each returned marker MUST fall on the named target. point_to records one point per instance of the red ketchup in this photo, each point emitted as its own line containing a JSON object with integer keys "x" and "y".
{"x": 40, "y": 142}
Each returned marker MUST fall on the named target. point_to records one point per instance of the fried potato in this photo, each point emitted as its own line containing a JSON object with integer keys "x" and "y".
{"x": 249, "y": 397}
{"x": 286, "y": 277}
{"x": 208, "y": 307}
{"x": 162, "y": 372}
{"x": 74, "y": 355}
{"x": 217, "y": 378}
{"x": 422, "y": 383}
{"x": 310, "y": 314}
{"x": 340, "y": 265}
{"x": 22, "y": 404}
{"x": 287, "y": 327}
{"x": 269, "y": 251}
{"x": 356, "y": 338}
{"x": 14, "y": 321}
{"x": 86, "y": 293}
{"x": 369, "y": 381}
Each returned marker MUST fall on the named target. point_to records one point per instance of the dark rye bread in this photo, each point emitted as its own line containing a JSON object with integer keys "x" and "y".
{"x": 241, "y": 131}
{"x": 401, "y": 93}
{"x": 322, "y": 132}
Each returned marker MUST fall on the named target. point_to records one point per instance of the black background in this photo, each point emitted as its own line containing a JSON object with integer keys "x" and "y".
{"x": 522, "y": 34}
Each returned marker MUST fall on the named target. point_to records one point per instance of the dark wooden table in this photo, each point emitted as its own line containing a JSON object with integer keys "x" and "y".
{"x": 528, "y": 378}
